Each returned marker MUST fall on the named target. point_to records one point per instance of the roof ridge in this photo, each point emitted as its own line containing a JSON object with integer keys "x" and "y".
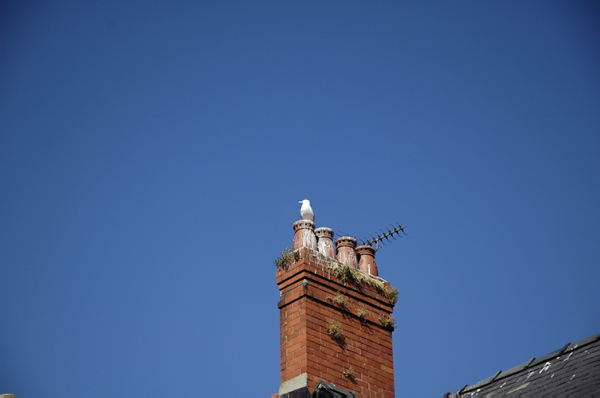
{"x": 525, "y": 365}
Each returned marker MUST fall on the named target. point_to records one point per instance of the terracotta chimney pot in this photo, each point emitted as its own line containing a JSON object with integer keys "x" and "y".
{"x": 367, "y": 259}
{"x": 325, "y": 241}
{"x": 305, "y": 235}
{"x": 346, "y": 254}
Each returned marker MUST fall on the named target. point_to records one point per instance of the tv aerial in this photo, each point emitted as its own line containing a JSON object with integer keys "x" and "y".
{"x": 382, "y": 237}
{"x": 387, "y": 234}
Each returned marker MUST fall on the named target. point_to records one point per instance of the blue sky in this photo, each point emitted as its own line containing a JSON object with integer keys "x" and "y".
{"x": 152, "y": 156}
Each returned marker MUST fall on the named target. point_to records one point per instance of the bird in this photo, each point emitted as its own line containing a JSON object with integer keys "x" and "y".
{"x": 306, "y": 212}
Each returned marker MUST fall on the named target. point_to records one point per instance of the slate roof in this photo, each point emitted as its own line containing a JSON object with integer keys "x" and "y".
{"x": 322, "y": 390}
{"x": 573, "y": 369}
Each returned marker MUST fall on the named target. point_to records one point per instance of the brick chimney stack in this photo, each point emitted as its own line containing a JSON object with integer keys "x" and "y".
{"x": 336, "y": 323}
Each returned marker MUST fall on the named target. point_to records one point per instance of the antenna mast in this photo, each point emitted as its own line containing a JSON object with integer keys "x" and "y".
{"x": 385, "y": 235}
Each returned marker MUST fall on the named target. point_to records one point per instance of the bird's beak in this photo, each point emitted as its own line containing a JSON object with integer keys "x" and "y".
{"x": 301, "y": 201}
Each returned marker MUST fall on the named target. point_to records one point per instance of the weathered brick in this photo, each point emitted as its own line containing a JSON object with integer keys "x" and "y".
{"x": 305, "y": 312}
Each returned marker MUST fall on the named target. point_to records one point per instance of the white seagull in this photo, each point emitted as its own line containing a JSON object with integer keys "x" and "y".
{"x": 306, "y": 212}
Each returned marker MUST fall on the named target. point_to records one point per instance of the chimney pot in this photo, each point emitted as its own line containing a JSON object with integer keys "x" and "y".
{"x": 325, "y": 241}
{"x": 345, "y": 250}
{"x": 367, "y": 263}
{"x": 305, "y": 235}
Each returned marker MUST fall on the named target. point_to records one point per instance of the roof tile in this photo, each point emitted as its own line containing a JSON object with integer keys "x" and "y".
{"x": 573, "y": 369}
{"x": 515, "y": 369}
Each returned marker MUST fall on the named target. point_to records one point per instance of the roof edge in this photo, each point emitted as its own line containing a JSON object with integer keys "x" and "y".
{"x": 525, "y": 365}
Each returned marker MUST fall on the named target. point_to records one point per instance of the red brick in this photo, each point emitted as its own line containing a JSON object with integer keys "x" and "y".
{"x": 305, "y": 344}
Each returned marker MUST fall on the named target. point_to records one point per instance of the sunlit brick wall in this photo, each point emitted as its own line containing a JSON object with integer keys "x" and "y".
{"x": 361, "y": 360}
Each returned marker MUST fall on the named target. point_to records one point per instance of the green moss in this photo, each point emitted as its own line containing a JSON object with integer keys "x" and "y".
{"x": 388, "y": 322}
{"x": 340, "y": 299}
{"x": 335, "y": 330}
{"x": 286, "y": 258}
{"x": 392, "y": 295}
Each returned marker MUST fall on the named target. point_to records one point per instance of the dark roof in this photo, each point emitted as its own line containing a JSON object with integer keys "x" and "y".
{"x": 326, "y": 390}
{"x": 322, "y": 390}
{"x": 573, "y": 369}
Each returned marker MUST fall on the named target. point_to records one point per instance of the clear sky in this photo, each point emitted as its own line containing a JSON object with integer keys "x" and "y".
{"x": 152, "y": 156}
